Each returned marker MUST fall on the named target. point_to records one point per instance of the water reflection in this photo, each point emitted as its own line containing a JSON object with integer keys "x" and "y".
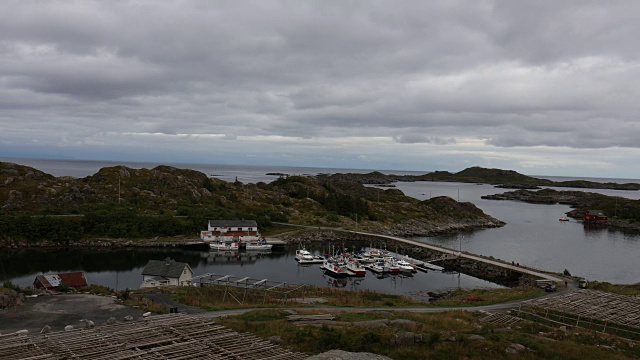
{"x": 122, "y": 268}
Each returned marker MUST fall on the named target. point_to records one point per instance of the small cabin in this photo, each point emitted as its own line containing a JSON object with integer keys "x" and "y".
{"x": 594, "y": 215}
{"x": 54, "y": 281}
{"x": 167, "y": 272}
{"x": 241, "y": 231}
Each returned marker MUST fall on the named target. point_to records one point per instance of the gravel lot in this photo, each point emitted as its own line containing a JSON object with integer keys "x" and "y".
{"x": 58, "y": 311}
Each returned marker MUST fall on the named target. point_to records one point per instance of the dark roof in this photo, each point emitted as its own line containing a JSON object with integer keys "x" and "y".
{"x": 595, "y": 212}
{"x": 73, "y": 279}
{"x": 233, "y": 223}
{"x": 167, "y": 268}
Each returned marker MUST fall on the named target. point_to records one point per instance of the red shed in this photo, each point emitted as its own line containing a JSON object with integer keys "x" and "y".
{"x": 53, "y": 281}
{"x": 594, "y": 215}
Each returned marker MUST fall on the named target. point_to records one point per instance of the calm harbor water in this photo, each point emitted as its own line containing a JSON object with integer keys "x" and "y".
{"x": 533, "y": 235}
{"x": 122, "y": 269}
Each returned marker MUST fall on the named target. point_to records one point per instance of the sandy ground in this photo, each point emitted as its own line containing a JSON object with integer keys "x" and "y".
{"x": 58, "y": 311}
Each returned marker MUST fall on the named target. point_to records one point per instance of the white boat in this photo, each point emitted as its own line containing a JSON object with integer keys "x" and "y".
{"x": 393, "y": 266}
{"x": 221, "y": 245}
{"x": 334, "y": 269}
{"x": 365, "y": 259}
{"x": 564, "y": 218}
{"x": 379, "y": 266}
{"x": 305, "y": 257}
{"x": 374, "y": 253}
{"x": 258, "y": 245}
{"x": 406, "y": 266}
{"x": 354, "y": 268}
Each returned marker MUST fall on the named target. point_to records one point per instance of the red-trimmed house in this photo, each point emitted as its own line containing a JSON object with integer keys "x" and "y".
{"x": 240, "y": 231}
{"x": 53, "y": 281}
{"x": 594, "y": 215}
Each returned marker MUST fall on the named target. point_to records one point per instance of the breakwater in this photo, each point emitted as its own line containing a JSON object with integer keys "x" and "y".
{"x": 486, "y": 268}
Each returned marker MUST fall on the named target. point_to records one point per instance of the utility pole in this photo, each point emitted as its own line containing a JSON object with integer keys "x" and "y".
{"x": 118, "y": 188}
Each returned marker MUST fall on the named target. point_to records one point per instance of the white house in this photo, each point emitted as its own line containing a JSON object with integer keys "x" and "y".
{"x": 166, "y": 272}
{"x": 241, "y": 231}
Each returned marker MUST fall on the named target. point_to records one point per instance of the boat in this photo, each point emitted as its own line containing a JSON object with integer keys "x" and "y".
{"x": 374, "y": 253}
{"x": 378, "y": 266}
{"x": 564, "y": 218}
{"x": 406, "y": 266}
{"x": 364, "y": 259}
{"x": 222, "y": 245}
{"x": 354, "y": 268}
{"x": 305, "y": 257}
{"x": 334, "y": 269}
{"x": 393, "y": 266}
{"x": 258, "y": 245}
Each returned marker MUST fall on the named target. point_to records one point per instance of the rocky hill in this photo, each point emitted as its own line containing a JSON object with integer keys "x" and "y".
{"x": 120, "y": 201}
{"x": 500, "y": 178}
{"x": 622, "y": 212}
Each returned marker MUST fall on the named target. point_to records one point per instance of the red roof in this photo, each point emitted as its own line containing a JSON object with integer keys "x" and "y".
{"x": 52, "y": 281}
{"x": 74, "y": 279}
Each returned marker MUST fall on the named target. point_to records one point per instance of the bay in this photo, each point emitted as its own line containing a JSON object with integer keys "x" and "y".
{"x": 533, "y": 235}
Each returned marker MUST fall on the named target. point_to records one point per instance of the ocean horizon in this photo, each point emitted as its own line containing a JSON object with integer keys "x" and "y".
{"x": 230, "y": 172}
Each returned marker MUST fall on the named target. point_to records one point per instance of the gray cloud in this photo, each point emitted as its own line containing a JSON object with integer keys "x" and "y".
{"x": 475, "y": 79}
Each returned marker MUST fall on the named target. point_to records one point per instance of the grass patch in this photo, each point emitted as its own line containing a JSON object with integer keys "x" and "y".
{"x": 615, "y": 288}
{"x": 443, "y": 336}
{"x": 476, "y": 297}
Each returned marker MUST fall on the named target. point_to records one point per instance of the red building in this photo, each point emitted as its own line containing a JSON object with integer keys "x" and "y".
{"x": 53, "y": 281}
{"x": 594, "y": 215}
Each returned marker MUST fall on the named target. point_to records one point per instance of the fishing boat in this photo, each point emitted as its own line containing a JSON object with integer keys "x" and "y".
{"x": 406, "y": 266}
{"x": 392, "y": 264}
{"x": 363, "y": 259}
{"x": 305, "y": 257}
{"x": 378, "y": 266}
{"x": 258, "y": 245}
{"x": 564, "y": 218}
{"x": 354, "y": 268}
{"x": 224, "y": 246}
{"x": 334, "y": 269}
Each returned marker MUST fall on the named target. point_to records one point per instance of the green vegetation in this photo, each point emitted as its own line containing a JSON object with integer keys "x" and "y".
{"x": 217, "y": 297}
{"x": 462, "y": 297}
{"x": 615, "y": 288}
{"x": 11, "y": 286}
{"x": 618, "y": 209}
{"x": 120, "y": 202}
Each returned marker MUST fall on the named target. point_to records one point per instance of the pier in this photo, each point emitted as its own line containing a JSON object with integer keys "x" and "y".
{"x": 477, "y": 258}
{"x": 450, "y": 253}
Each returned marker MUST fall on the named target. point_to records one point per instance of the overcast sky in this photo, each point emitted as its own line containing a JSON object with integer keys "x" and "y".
{"x": 540, "y": 87}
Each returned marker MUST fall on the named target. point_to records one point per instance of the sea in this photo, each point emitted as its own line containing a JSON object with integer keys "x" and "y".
{"x": 533, "y": 237}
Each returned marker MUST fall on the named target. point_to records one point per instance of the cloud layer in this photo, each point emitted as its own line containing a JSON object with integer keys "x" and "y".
{"x": 535, "y": 86}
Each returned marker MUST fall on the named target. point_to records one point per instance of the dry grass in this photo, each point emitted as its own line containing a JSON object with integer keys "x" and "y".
{"x": 444, "y": 336}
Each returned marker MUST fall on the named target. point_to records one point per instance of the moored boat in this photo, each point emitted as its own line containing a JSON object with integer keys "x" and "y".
{"x": 393, "y": 266}
{"x": 258, "y": 245}
{"x": 354, "y": 268}
{"x": 305, "y": 257}
{"x": 222, "y": 245}
{"x": 334, "y": 269}
{"x": 378, "y": 266}
{"x": 406, "y": 266}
